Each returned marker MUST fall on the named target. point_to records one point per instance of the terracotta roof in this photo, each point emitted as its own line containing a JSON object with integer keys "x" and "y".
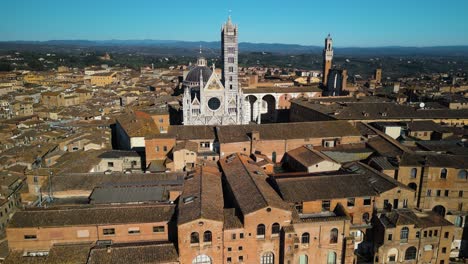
{"x": 360, "y": 181}
{"x": 91, "y": 216}
{"x": 148, "y": 253}
{"x": 58, "y": 254}
{"x": 231, "y": 221}
{"x": 434, "y": 160}
{"x": 303, "y": 130}
{"x": 249, "y": 185}
{"x": 401, "y": 217}
{"x": 202, "y": 196}
{"x": 308, "y": 156}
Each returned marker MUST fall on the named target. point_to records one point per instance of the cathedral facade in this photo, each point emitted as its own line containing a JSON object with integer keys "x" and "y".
{"x": 208, "y": 99}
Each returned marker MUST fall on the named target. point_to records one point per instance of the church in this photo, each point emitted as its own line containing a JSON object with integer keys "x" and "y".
{"x": 209, "y": 100}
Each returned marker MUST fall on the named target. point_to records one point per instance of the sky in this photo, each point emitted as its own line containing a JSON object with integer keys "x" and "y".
{"x": 352, "y": 23}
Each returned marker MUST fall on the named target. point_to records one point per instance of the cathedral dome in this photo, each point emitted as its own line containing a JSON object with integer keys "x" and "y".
{"x": 193, "y": 76}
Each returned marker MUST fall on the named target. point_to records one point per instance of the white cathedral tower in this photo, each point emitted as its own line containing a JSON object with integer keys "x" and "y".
{"x": 209, "y": 100}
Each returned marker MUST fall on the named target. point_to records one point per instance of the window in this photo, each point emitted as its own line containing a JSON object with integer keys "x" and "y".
{"x": 405, "y": 203}
{"x": 230, "y": 78}
{"x": 410, "y": 253}
{"x": 430, "y": 233}
{"x": 207, "y": 236}
{"x": 35, "y": 179}
{"x": 240, "y": 248}
{"x": 108, "y": 231}
{"x": 305, "y": 238}
{"x": 241, "y": 235}
{"x": 414, "y": 171}
{"x": 241, "y": 258}
{"x": 303, "y": 259}
{"x": 444, "y": 250}
{"x": 428, "y": 192}
{"x": 233, "y": 236}
{"x": 30, "y": 237}
{"x": 365, "y": 217}
{"x": 231, "y": 49}
{"x": 460, "y": 194}
{"x": 446, "y": 235}
{"x": 392, "y": 258}
{"x": 231, "y": 69}
{"x": 404, "y": 233}
{"x": 436, "y": 232}
{"x": 418, "y": 234}
{"x": 425, "y": 234}
{"x": 438, "y": 193}
{"x": 334, "y": 236}
{"x": 229, "y": 249}
{"x": 275, "y": 229}
{"x": 390, "y": 237}
{"x": 267, "y": 258}
{"x": 202, "y": 259}
{"x": 443, "y": 173}
{"x": 458, "y": 221}
{"x": 351, "y": 202}
{"x": 231, "y": 59}
{"x": 367, "y": 201}
{"x": 261, "y": 231}
{"x": 331, "y": 259}
{"x": 110, "y": 164}
{"x": 158, "y": 229}
{"x": 446, "y": 193}
{"x": 157, "y": 148}
{"x": 165, "y": 148}
{"x": 229, "y": 259}
{"x": 134, "y": 230}
{"x": 462, "y": 175}
{"x": 194, "y": 238}
{"x": 326, "y": 205}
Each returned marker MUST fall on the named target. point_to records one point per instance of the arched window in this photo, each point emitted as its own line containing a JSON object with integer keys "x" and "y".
{"x": 267, "y": 258}
{"x": 305, "y": 238}
{"x": 410, "y": 253}
{"x": 404, "y": 233}
{"x": 275, "y": 229}
{"x": 202, "y": 259}
{"x": 261, "y": 231}
{"x": 365, "y": 217}
{"x": 439, "y": 209}
{"x": 462, "y": 175}
{"x": 194, "y": 238}
{"x": 443, "y": 173}
{"x": 303, "y": 259}
{"x": 331, "y": 259}
{"x": 334, "y": 236}
{"x": 207, "y": 236}
{"x": 413, "y": 186}
{"x": 414, "y": 171}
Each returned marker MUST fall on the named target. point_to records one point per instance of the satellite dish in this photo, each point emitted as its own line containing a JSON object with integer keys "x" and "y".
{"x": 421, "y": 105}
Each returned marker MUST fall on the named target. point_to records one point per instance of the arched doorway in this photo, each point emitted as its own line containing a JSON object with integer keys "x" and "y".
{"x": 268, "y": 108}
{"x": 202, "y": 259}
{"x": 440, "y": 210}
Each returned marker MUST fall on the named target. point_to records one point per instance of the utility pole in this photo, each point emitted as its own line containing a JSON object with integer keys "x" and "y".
{"x": 50, "y": 186}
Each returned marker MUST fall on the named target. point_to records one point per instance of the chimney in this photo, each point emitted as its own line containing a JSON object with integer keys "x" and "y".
{"x": 254, "y": 138}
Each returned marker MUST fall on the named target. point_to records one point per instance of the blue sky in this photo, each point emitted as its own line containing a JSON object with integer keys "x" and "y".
{"x": 363, "y": 23}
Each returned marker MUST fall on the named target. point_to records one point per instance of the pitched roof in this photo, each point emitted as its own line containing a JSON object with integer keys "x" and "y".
{"x": 91, "y": 216}
{"x": 360, "y": 181}
{"x": 249, "y": 185}
{"x": 434, "y": 160}
{"x": 402, "y": 217}
{"x": 128, "y": 194}
{"x": 277, "y": 131}
{"x": 202, "y": 196}
{"x": 308, "y": 156}
{"x": 148, "y": 253}
{"x": 58, "y": 254}
{"x": 115, "y": 154}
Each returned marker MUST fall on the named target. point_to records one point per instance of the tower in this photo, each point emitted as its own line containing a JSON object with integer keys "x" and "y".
{"x": 327, "y": 58}
{"x": 229, "y": 53}
{"x": 378, "y": 75}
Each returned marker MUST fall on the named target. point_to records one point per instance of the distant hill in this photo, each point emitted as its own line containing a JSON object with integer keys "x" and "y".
{"x": 175, "y": 47}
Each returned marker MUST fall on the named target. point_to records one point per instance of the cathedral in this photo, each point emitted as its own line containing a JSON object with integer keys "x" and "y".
{"x": 209, "y": 100}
